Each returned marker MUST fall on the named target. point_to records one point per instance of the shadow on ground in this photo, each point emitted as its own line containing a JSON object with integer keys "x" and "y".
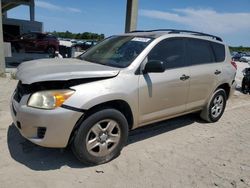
{"x": 40, "y": 158}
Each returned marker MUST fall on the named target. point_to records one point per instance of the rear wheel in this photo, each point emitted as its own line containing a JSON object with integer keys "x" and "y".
{"x": 101, "y": 137}
{"x": 51, "y": 50}
{"x": 213, "y": 111}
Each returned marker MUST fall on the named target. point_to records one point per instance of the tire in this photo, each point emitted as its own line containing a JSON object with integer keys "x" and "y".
{"x": 96, "y": 142}
{"x": 51, "y": 50}
{"x": 243, "y": 85}
{"x": 214, "y": 109}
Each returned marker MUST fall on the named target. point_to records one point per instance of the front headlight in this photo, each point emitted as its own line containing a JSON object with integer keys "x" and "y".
{"x": 49, "y": 99}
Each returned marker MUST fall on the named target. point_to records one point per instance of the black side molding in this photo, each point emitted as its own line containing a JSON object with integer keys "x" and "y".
{"x": 73, "y": 108}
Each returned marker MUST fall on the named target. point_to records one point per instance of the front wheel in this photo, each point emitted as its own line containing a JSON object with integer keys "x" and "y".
{"x": 101, "y": 137}
{"x": 213, "y": 111}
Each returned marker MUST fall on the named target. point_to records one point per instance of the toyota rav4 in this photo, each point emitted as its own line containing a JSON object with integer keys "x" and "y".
{"x": 124, "y": 82}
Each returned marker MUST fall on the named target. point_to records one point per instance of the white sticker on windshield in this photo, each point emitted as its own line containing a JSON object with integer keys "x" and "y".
{"x": 140, "y": 39}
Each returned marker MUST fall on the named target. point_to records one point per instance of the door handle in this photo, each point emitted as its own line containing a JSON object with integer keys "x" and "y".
{"x": 184, "y": 77}
{"x": 217, "y": 72}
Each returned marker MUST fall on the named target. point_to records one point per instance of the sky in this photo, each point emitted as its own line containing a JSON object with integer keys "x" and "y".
{"x": 229, "y": 19}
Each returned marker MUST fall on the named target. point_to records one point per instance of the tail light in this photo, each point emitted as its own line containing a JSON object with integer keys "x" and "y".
{"x": 234, "y": 64}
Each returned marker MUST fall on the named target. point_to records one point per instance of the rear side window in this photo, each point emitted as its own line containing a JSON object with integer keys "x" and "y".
{"x": 169, "y": 51}
{"x": 219, "y": 51}
{"x": 199, "y": 51}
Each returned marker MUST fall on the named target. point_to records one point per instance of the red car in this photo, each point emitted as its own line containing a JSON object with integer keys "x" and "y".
{"x": 36, "y": 42}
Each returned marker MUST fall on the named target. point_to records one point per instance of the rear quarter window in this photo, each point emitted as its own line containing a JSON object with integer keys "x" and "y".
{"x": 219, "y": 51}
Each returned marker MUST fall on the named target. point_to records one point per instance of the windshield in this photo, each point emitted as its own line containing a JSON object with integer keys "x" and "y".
{"x": 116, "y": 51}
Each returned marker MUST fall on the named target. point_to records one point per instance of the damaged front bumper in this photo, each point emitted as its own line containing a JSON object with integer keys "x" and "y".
{"x": 49, "y": 128}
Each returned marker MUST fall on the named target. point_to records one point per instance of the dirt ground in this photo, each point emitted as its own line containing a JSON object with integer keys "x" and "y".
{"x": 182, "y": 152}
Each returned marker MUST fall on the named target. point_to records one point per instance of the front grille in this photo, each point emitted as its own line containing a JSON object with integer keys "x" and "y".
{"x": 21, "y": 90}
{"x": 41, "y": 132}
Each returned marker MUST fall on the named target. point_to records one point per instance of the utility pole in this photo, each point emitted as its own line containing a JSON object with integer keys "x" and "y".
{"x": 131, "y": 15}
{"x": 32, "y": 10}
{"x": 2, "y": 59}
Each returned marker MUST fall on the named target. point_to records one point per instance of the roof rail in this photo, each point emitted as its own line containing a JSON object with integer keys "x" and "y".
{"x": 181, "y": 31}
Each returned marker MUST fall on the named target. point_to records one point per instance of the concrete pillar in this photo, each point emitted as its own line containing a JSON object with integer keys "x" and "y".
{"x": 2, "y": 59}
{"x": 131, "y": 15}
{"x": 32, "y": 10}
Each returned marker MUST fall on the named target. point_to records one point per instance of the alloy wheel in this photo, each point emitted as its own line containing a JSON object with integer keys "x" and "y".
{"x": 217, "y": 106}
{"x": 103, "y": 137}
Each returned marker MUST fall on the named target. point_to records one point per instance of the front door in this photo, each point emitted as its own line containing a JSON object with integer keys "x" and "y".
{"x": 164, "y": 94}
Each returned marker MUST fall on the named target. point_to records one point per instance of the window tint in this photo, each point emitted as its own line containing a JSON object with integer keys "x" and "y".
{"x": 199, "y": 51}
{"x": 169, "y": 51}
{"x": 219, "y": 51}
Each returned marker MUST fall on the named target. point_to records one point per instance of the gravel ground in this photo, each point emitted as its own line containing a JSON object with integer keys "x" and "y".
{"x": 182, "y": 152}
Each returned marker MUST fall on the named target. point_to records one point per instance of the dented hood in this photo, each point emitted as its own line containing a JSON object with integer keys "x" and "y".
{"x": 62, "y": 69}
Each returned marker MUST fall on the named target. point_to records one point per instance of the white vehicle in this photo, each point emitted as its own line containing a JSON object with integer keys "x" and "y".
{"x": 245, "y": 58}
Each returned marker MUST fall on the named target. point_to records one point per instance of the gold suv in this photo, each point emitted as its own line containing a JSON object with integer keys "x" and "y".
{"x": 124, "y": 82}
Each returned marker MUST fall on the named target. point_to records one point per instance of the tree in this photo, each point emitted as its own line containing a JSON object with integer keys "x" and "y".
{"x": 84, "y": 35}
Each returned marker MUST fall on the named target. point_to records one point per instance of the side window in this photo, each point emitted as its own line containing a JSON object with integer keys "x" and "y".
{"x": 29, "y": 36}
{"x": 169, "y": 51}
{"x": 199, "y": 51}
{"x": 49, "y": 37}
{"x": 219, "y": 51}
{"x": 40, "y": 37}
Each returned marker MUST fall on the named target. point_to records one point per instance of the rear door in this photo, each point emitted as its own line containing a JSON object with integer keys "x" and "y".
{"x": 164, "y": 94}
{"x": 205, "y": 71}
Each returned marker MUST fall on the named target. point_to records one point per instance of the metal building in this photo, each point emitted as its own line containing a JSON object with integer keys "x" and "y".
{"x": 15, "y": 27}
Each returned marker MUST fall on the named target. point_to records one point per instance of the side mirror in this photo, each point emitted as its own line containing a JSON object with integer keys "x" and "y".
{"x": 154, "y": 66}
